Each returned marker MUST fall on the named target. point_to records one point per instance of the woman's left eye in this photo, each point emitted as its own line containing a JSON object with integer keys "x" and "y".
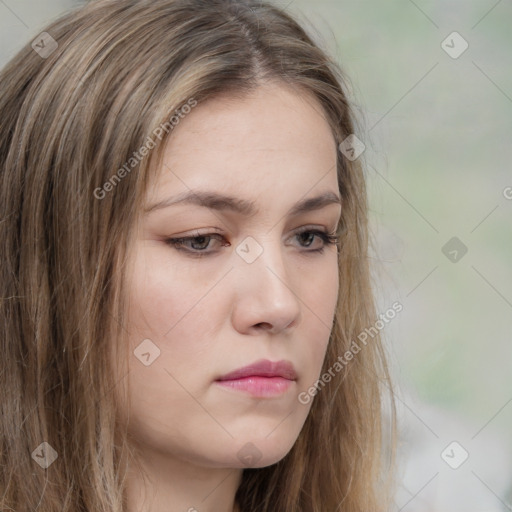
{"x": 309, "y": 235}
{"x": 199, "y": 244}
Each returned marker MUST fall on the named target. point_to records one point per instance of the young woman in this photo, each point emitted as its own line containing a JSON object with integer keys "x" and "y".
{"x": 184, "y": 276}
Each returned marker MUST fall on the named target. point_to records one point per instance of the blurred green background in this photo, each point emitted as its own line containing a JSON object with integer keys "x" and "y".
{"x": 438, "y": 136}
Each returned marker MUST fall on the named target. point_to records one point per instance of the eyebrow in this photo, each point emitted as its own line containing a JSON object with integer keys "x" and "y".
{"x": 217, "y": 201}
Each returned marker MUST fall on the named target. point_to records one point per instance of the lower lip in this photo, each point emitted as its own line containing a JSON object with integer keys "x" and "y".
{"x": 259, "y": 386}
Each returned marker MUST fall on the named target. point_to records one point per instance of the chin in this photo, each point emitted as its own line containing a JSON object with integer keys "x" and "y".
{"x": 262, "y": 452}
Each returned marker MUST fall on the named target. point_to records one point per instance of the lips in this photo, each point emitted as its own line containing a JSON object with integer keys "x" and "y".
{"x": 262, "y": 379}
{"x": 263, "y": 368}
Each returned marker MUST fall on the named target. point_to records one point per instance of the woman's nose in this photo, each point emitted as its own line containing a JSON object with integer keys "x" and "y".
{"x": 266, "y": 298}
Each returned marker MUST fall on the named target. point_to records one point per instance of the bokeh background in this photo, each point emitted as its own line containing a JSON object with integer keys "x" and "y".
{"x": 436, "y": 121}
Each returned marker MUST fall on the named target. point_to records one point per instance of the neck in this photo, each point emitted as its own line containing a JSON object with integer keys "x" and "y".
{"x": 162, "y": 484}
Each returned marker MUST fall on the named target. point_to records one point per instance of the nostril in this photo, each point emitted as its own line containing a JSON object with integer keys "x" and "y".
{"x": 264, "y": 325}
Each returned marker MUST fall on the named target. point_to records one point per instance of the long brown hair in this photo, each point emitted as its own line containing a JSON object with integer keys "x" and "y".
{"x": 76, "y": 105}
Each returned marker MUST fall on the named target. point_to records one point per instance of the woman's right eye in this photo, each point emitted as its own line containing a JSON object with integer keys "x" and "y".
{"x": 196, "y": 245}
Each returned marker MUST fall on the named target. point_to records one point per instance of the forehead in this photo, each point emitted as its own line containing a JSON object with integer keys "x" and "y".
{"x": 276, "y": 139}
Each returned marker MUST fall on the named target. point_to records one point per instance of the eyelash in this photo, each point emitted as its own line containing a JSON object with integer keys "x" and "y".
{"x": 177, "y": 243}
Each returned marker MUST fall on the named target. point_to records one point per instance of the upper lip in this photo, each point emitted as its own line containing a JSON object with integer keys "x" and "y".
{"x": 263, "y": 368}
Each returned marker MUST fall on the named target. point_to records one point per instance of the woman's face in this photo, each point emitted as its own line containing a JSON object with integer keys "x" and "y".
{"x": 252, "y": 285}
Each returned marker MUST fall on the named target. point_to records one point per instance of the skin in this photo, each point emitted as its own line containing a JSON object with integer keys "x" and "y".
{"x": 213, "y": 314}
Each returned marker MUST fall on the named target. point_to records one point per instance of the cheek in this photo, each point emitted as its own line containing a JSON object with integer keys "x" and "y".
{"x": 319, "y": 293}
{"x": 319, "y": 297}
{"x": 181, "y": 306}
{"x": 167, "y": 300}
{"x": 155, "y": 301}
{"x": 172, "y": 316}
